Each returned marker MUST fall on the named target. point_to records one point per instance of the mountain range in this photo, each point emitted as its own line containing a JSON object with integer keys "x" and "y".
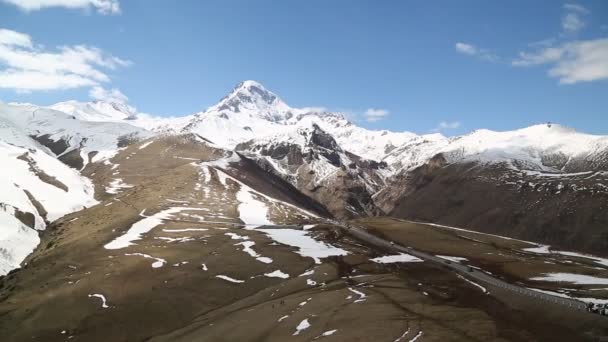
{"x": 546, "y": 183}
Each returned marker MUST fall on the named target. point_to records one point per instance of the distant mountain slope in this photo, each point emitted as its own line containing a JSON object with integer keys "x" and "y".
{"x": 74, "y": 141}
{"x": 36, "y": 188}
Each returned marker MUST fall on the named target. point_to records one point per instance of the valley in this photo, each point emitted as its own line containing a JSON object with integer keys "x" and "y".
{"x": 235, "y": 223}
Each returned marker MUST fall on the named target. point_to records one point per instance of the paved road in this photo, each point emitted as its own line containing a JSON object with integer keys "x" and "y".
{"x": 472, "y": 274}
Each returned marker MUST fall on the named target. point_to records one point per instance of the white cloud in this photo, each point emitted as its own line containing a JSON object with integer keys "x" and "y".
{"x": 112, "y": 95}
{"x": 573, "y": 21}
{"x": 472, "y": 50}
{"x": 102, "y": 6}
{"x": 12, "y": 38}
{"x": 444, "y": 125}
{"x": 465, "y": 48}
{"x": 572, "y": 62}
{"x": 26, "y": 67}
{"x": 375, "y": 114}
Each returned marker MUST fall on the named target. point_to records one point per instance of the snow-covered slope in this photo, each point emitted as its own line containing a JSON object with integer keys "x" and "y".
{"x": 67, "y": 136}
{"x": 96, "y": 110}
{"x": 35, "y": 188}
{"x": 545, "y": 147}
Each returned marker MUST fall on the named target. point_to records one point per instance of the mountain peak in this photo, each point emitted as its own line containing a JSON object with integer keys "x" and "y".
{"x": 251, "y": 98}
{"x": 252, "y": 91}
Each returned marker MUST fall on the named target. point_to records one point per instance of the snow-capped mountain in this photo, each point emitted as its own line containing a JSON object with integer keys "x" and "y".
{"x": 96, "y": 110}
{"x": 344, "y": 169}
{"x": 74, "y": 140}
{"x": 311, "y": 160}
{"x": 251, "y": 111}
{"x": 544, "y": 147}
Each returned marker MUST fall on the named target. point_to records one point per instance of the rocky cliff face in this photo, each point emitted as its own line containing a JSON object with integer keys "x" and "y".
{"x": 313, "y": 162}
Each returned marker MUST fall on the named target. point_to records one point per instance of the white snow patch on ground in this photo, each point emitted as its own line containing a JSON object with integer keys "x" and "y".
{"x": 143, "y": 226}
{"x": 416, "y": 337}
{"x": 247, "y": 249}
{"x": 545, "y": 249}
{"x": 387, "y": 259}
{"x": 329, "y": 332}
{"x": 277, "y": 274}
{"x": 307, "y": 273}
{"x": 17, "y": 241}
{"x": 307, "y": 246}
{"x": 227, "y": 278}
{"x": 302, "y": 326}
{"x": 579, "y": 279}
{"x": 452, "y": 258}
{"x": 601, "y": 261}
{"x": 540, "y": 249}
{"x": 361, "y": 295}
{"x": 247, "y": 199}
{"x": 158, "y": 263}
{"x": 204, "y": 267}
{"x": 473, "y": 283}
{"x": 311, "y": 282}
{"x": 116, "y": 186}
{"x": 185, "y": 230}
{"x": 146, "y": 144}
{"x": 251, "y": 210}
{"x": 178, "y": 240}
{"x": 282, "y": 318}
{"x": 235, "y": 236}
{"x": 103, "y": 299}
{"x": 402, "y": 335}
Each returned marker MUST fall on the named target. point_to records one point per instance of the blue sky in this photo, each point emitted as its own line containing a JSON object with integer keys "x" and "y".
{"x": 420, "y": 66}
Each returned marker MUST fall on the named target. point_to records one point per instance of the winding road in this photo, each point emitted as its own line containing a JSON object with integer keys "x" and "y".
{"x": 466, "y": 271}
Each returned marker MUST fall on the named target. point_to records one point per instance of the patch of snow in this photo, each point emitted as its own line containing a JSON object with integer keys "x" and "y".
{"x": 452, "y": 258}
{"x": 157, "y": 264}
{"x": 247, "y": 249}
{"x": 473, "y": 283}
{"x": 301, "y": 327}
{"x": 361, "y": 295}
{"x": 185, "y": 230}
{"x": 277, "y": 274}
{"x": 402, "y": 335}
{"x": 227, "y": 278}
{"x": 143, "y": 226}
{"x": 282, "y": 318}
{"x": 540, "y": 249}
{"x": 102, "y": 297}
{"x": 307, "y": 273}
{"x": 579, "y": 279}
{"x": 307, "y": 246}
{"x": 116, "y": 186}
{"x": 329, "y": 332}
{"x": 387, "y": 259}
{"x": 416, "y": 337}
{"x": 146, "y": 144}
{"x": 235, "y": 236}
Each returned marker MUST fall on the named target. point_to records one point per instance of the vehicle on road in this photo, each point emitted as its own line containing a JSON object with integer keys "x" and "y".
{"x": 470, "y": 269}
